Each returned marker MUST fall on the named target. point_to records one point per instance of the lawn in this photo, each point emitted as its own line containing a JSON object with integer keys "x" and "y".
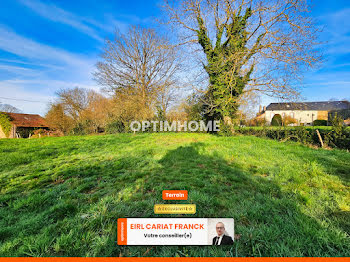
{"x": 62, "y": 196}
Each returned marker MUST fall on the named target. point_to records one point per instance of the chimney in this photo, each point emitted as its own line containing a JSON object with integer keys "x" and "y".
{"x": 259, "y": 108}
{"x": 264, "y": 108}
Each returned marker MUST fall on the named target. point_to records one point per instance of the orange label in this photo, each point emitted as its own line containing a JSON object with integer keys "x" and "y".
{"x": 122, "y": 231}
{"x": 175, "y": 194}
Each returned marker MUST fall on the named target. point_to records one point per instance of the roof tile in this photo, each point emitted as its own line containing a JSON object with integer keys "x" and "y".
{"x": 26, "y": 120}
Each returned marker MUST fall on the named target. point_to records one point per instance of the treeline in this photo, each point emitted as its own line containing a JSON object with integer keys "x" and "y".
{"x": 231, "y": 50}
{"x": 80, "y": 111}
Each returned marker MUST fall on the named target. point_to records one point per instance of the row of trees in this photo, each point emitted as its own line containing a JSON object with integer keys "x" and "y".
{"x": 229, "y": 51}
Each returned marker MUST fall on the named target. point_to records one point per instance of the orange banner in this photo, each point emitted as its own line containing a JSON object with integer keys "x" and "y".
{"x": 175, "y": 195}
{"x": 122, "y": 231}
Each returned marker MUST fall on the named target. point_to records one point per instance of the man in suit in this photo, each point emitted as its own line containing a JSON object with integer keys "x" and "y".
{"x": 221, "y": 238}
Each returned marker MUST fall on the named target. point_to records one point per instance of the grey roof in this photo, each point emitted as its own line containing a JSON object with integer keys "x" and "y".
{"x": 319, "y": 106}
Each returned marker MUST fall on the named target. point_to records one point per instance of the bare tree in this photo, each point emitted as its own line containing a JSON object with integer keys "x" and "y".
{"x": 9, "y": 108}
{"x": 75, "y": 101}
{"x": 79, "y": 106}
{"x": 248, "y": 45}
{"x": 57, "y": 118}
{"x": 139, "y": 66}
{"x": 98, "y": 111}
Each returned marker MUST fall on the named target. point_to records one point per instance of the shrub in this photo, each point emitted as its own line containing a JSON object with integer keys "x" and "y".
{"x": 257, "y": 122}
{"x": 79, "y": 129}
{"x": 288, "y": 120}
{"x": 85, "y": 127}
{"x": 5, "y": 123}
{"x": 336, "y": 137}
{"x": 43, "y": 132}
{"x": 276, "y": 120}
{"x": 115, "y": 127}
{"x": 225, "y": 129}
{"x": 319, "y": 122}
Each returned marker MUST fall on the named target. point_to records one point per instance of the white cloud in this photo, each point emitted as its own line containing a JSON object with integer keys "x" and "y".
{"x": 40, "y": 91}
{"x": 36, "y": 64}
{"x": 18, "y": 70}
{"x": 48, "y": 85}
{"x": 336, "y": 31}
{"x": 62, "y": 61}
{"x": 84, "y": 25}
{"x": 14, "y": 91}
{"x": 39, "y": 71}
{"x": 56, "y": 14}
{"x": 337, "y": 84}
{"x": 27, "y": 48}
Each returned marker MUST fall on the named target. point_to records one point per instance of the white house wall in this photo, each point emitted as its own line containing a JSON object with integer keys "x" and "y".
{"x": 305, "y": 117}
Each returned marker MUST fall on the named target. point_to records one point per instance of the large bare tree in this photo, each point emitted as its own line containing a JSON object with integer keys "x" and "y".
{"x": 141, "y": 67}
{"x": 247, "y": 46}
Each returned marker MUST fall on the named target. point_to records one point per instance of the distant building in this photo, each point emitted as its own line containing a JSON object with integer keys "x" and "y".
{"x": 305, "y": 113}
{"x": 22, "y": 125}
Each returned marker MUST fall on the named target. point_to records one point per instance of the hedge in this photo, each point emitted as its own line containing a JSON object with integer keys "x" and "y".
{"x": 320, "y": 122}
{"x": 336, "y": 137}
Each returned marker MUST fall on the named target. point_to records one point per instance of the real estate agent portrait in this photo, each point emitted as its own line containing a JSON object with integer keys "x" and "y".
{"x": 221, "y": 238}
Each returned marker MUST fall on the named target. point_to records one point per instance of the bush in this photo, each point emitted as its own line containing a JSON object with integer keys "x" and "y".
{"x": 338, "y": 137}
{"x": 319, "y": 122}
{"x": 288, "y": 120}
{"x": 43, "y": 132}
{"x": 225, "y": 129}
{"x": 257, "y": 122}
{"x": 5, "y": 123}
{"x": 115, "y": 127}
{"x": 276, "y": 120}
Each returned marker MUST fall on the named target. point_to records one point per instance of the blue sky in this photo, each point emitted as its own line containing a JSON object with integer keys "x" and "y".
{"x": 48, "y": 45}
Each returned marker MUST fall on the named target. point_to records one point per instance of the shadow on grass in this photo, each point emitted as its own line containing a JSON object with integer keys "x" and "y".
{"x": 269, "y": 222}
{"x": 77, "y": 216}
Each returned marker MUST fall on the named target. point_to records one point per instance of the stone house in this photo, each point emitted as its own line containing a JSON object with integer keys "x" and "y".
{"x": 305, "y": 113}
{"x": 22, "y": 125}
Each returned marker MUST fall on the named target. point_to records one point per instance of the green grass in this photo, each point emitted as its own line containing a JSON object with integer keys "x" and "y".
{"x": 62, "y": 196}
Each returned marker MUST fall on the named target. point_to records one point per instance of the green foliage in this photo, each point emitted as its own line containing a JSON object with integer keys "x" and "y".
{"x": 225, "y": 61}
{"x": 343, "y": 114}
{"x": 160, "y": 114}
{"x": 115, "y": 127}
{"x": 276, "y": 120}
{"x": 25, "y": 132}
{"x": 80, "y": 129}
{"x": 332, "y": 137}
{"x": 61, "y": 196}
{"x": 194, "y": 107}
{"x": 339, "y": 135}
{"x": 84, "y": 127}
{"x": 225, "y": 129}
{"x": 337, "y": 123}
{"x": 319, "y": 122}
{"x": 5, "y": 123}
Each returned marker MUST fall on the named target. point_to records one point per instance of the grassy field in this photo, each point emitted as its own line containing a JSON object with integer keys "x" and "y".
{"x": 62, "y": 196}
